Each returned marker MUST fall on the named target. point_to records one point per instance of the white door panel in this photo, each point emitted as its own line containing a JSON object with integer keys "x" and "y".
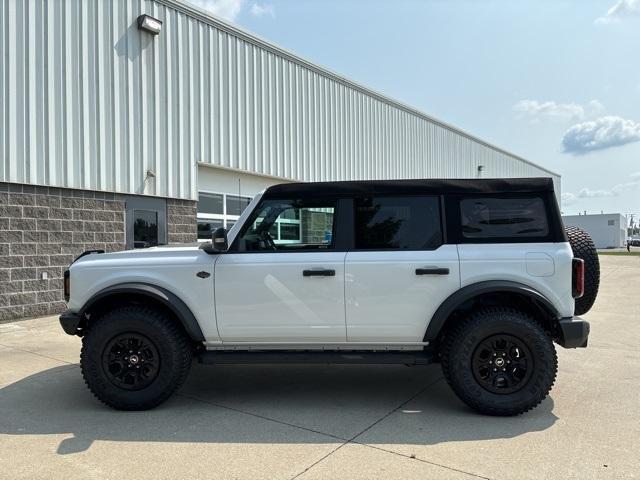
{"x": 387, "y": 301}
{"x": 545, "y": 267}
{"x": 262, "y": 297}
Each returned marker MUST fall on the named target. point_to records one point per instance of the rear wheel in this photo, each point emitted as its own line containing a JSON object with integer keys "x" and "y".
{"x": 134, "y": 358}
{"x": 583, "y": 247}
{"x": 499, "y": 361}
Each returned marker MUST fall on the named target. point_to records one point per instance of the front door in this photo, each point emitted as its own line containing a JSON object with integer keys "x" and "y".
{"x": 399, "y": 271}
{"x": 283, "y": 279}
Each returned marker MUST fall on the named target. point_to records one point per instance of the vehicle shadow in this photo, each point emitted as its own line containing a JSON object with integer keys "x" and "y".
{"x": 263, "y": 404}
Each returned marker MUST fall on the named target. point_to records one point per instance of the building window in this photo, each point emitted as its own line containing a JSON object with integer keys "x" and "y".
{"x": 611, "y": 223}
{"x": 207, "y": 227}
{"x": 145, "y": 228}
{"x": 236, "y": 205}
{"x": 217, "y": 210}
{"x": 212, "y": 203}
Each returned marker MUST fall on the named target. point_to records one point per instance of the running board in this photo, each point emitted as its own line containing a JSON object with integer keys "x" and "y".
{"x": 234, "y": 357}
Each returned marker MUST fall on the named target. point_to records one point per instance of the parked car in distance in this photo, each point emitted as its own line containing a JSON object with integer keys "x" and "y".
{"x": 479, "y": 275}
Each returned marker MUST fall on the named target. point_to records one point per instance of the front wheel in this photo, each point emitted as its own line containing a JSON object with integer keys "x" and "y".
{"x": 499, "y": 361}
{"x": 134, "y": 357}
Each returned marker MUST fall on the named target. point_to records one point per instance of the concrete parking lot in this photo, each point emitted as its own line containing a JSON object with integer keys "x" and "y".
{"x": 346, "y": 422}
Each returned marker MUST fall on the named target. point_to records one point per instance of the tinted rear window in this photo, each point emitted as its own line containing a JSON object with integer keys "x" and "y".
{"x": 489, "y": 217}
{"x": 399, "y": 223}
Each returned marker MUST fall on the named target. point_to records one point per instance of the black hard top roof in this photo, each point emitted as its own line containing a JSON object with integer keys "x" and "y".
{"x": 404, "y": 187}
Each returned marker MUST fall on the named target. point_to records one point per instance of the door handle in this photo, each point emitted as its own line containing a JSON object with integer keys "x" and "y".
{"x": 432, "y": 271}
{"x": 319, "y": 273}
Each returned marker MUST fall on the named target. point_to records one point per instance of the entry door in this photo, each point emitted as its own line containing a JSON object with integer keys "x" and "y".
{"x": 399, "y": 272}
{"x": 146, "y": 222}
{"x": 283, "y": 280}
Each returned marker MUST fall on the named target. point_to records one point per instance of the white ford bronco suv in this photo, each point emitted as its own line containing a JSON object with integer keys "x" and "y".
{"x": 479, "y": 275}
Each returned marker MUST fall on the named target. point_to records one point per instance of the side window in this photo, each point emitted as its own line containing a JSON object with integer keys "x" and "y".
{"x": 508, "y": 218}
{"x": 398, "y": 223}
{"x": 290, "y": 225}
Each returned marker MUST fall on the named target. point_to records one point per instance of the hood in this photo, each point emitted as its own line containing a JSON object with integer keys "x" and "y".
{"x": 167, "y": 254}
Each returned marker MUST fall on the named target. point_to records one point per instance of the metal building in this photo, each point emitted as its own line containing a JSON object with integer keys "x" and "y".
{"x": 141, "y": 125}
{"x": 607, "y": 230}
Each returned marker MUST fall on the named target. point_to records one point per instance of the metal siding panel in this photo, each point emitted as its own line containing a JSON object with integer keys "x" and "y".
{"x": 89, "y": 101}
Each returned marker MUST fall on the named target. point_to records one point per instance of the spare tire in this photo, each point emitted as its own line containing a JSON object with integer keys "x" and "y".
{"x": 583, "y": 248}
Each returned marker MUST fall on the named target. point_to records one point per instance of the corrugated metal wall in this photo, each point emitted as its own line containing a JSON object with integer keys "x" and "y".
{"x": 89, "y": 101}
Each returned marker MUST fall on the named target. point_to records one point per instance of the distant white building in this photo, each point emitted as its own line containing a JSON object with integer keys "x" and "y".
{"x": 608, "y": 230}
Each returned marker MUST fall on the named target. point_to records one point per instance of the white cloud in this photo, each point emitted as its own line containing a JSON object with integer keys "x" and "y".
{"x": 227, "y": 9}
{"x": 614, "y": 192}
{"x": 626, "y": 186}
{"x": 588, "y": 193}
{"x": 604, "y": 132}
{"x": 535, "y": 110}
{"x": 261, "y": 10}
{"x": 569, "y": 198}
{"x": 619, "y": 11}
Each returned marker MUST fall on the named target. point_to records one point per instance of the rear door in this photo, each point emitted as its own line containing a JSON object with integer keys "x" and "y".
{"x": 512, "y": 237}
{"x": 399, "y": 271}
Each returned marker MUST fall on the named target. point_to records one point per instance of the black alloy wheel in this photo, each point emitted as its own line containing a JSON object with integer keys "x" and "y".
{"x": 502, "y": 364}
{"x": 131, "y": 361}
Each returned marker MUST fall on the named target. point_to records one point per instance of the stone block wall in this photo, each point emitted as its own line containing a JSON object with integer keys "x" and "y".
{"x": 42, "y": 230}
{"x": 182, "y": 223}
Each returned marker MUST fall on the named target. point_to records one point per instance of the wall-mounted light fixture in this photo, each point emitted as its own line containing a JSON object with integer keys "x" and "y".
{"x": 149, "y": 24}
{"x": 480, "y": 168}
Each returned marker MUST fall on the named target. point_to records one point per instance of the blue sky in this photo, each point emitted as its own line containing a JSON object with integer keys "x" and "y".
{"x": 557, "y": 82}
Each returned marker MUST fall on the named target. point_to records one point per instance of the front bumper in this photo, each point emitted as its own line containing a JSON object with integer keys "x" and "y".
{"x": 573, "y": 332}
{"x": 71, "y": 323}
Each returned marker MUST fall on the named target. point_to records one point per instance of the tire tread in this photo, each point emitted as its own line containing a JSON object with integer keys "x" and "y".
{"x": 156, "y": 319}
{"x": 454, "y": 339}
{"x": 583, "y": 247}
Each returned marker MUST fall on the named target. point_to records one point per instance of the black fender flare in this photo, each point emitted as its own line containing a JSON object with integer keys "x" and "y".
{"x": 456, "y": 299}
{"x": 164, "y": 296}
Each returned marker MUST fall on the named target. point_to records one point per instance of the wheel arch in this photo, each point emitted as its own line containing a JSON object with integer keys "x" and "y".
{"x": 143, "y": 292}
{"x": 494, "y": 292}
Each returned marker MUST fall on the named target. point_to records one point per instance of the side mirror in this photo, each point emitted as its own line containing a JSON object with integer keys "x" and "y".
{"x": 219, "y": 240}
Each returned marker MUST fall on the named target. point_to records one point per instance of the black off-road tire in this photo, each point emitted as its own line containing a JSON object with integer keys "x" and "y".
{"x": 465, "y": 341}
{"x": 162, "y": 336}
{"x": 583, "y": 248}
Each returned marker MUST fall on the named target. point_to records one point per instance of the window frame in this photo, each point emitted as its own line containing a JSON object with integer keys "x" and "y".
{"x": 441, "y": 222}
{"x": 337, "y": 239}
{"x": 555, "y": 232}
